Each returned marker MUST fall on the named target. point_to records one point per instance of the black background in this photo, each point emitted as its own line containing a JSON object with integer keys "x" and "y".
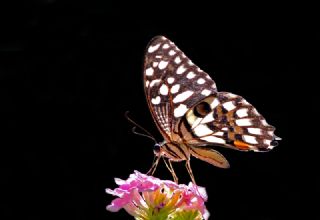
{"x": 69, "y": 71}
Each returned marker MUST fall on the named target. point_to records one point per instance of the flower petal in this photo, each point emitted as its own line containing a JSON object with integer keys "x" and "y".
{"x": 201, "y": 191}
{"x": 145, "y": 197}
{"x": 116, "y": 205}
{"x": 119, "y": 181}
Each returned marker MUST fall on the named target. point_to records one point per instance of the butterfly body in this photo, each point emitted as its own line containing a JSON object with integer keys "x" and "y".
{"x": 192, "y": 115}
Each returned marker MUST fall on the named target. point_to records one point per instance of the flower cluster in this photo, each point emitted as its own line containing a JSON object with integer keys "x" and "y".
{"x": 146, "y": 197}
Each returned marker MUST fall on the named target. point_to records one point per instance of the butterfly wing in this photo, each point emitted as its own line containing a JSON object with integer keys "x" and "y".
{"x": 210, "y": 156}
{"x": 184, "y": 100}
{"x": 225, "y": 119}
{"x": 172, "y": 83}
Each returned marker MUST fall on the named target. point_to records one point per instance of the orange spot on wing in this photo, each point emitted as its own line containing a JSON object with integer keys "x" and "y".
{"x": 241, "y": 145}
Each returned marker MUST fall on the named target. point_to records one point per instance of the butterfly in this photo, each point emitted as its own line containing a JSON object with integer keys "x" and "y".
{"x": 192, "y": 115}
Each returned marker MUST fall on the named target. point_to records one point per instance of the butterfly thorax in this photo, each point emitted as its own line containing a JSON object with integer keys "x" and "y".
{"x": 174, "y": 150}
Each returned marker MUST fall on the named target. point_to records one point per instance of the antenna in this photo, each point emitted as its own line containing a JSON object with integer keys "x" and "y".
{"x": 147, "y": 133}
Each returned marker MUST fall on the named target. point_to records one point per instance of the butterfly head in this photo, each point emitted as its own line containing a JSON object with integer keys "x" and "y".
{"x": 156, "y": 148}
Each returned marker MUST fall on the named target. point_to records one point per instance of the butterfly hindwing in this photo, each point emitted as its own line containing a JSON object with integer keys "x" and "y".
{"x": 228, "y": 120}
{"x": 210, "y": 156}
{"x": 172, "y": 83}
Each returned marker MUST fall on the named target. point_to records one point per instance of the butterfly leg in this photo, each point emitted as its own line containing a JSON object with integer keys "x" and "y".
{"x": 171, "y": 170}
{"x": 154, "y": 165}
{"x": 188, "y": 166}
{"x": 175, "y": 177}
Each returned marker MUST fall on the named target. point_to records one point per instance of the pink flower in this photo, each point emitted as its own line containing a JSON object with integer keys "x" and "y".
{"x": 146, "y": 197}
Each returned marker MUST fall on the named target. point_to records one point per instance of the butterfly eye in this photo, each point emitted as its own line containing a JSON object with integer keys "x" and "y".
{"x": 156, "y": 148}
{"x": 202, "y": 109}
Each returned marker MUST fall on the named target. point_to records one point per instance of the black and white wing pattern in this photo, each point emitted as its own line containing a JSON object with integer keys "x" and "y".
{"x": 173, "y": 84}
{"x": 189, "y": 111}
{"x": 228, "y": 120}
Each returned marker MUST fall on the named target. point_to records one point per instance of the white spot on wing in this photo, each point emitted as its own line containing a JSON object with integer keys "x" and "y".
{"x": 243, "y": 122}
{"x": 181, "y": 69}
{"x": 229, "y": 105}
{"x": 170, "y": 80}
{"x": 175, "y": 88}
{"x": 149, "y": 71}
{"x": 156, "y": 100}
{"x": 182, "y": 96}
{"x": 268, "y": 142}
{"x": 164, "y": 89}
{"x": 153, "y": 82}
{"x": 245, "y": 102}
{"x": 249, "y": 139}
{"x": 172, "y": 52}
{"x": 205, "y": 92}
{"x": 196, "y": 122}
{"x": 270, "y": 133}
{"x": 155, "y": 64}
{"x": 165, "y": 46}
{"x": 191, "y": 117}
{"x": 208, "y": 118}
{"x": 243, "y": 112}
{"x": 213, "y": 139}
{"x": 201, "y": 81}
{"x": 180, "y": 110}
{"x": 177, "y": 60}
{"x": 163, "y": 64}
{"x": 151, "y": 49}
{"x": 277, "y": 138}
{"x": 255, "y": 131}
{"x": 202, "y": 130}
{"x": 224, "y": 129}
{"x": 219, "y": 133}
{"x": 191, "y": 75}
{"x": 215, "y": 103}
{"x": 147, "y": 83}
{"x": 231, "y": 95}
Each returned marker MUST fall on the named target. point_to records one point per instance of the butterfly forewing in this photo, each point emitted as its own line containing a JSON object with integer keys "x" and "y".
{"x": 172, "y": 83}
